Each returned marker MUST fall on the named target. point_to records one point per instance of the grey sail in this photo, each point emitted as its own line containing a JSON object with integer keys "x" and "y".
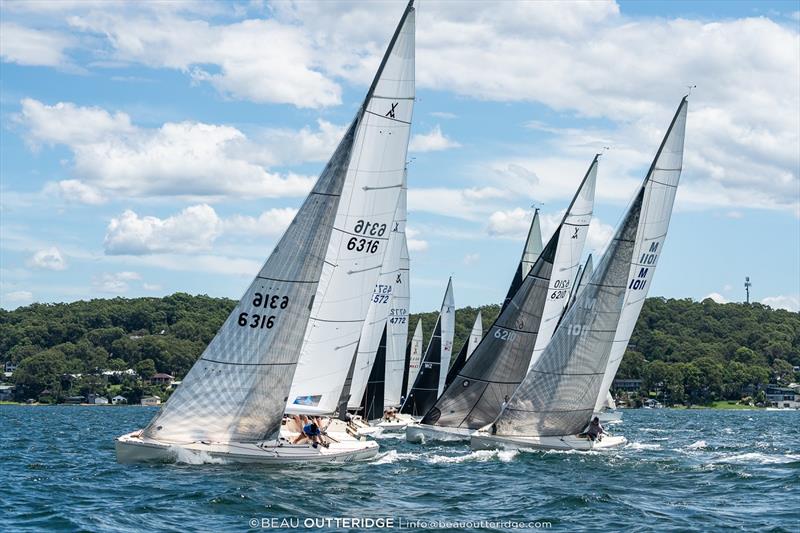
{"x": 557, "y": 396}
{"x": 531, "y": 252}
{"x": 237, "y": 388}
{"x": 584, "y": 275}
{"x": 344, "y": 397}
{"x": 560, "y": 392}
{"x": 501, "y": 360}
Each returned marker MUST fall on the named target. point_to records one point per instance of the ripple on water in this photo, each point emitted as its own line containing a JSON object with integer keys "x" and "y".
{"x": 62, "y": 476}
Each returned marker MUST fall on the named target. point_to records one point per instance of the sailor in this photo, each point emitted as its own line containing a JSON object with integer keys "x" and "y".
{"x": 309, "y": 430}
{"x": 595, "y": 430}
{"x": 505, "y": 403}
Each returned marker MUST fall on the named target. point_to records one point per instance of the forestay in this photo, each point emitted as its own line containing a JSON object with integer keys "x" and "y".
{"x": 236, "y": 390}
{"x": 361, "y": 230}
{"x": 664, "y": 176}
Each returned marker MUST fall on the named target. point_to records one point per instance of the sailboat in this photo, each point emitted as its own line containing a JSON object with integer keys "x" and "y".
{"x": 475, "y": 336}
{"x": 429, "y": 382}
{"x": 413, "y": 360}
{"x": 647, "y": 250}
{"x": 231, "y": 403}
{"x": 530, "y": 253}
{"x": 501, "y": 360}
{"x": 555, "y": 401}
{"x": 361, "y": 234}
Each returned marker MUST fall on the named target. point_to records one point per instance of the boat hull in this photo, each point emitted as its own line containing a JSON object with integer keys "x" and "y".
{"x": 422, "y": 433}
{"x": 609, "y": 416}
{"x": 484, "y": 441}
{"x": 132, "y": 448}
{"x": 398, "y": 425}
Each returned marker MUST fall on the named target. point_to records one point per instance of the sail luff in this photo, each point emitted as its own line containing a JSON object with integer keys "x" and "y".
{"x": 530, "y": 253}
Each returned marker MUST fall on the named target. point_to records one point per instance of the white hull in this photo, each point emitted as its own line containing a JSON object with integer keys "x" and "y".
{"x": 422, "y": 433}
{"x": 484, "y": 441}
{"x": 131, "y": 448}
{"x": 397, "y": 425}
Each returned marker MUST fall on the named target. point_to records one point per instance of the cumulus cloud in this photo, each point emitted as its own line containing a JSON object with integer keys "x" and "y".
{"x": 48, "y": 259}
{"x": 270, "y": 222}
{"x": 788, "y": 302}
{"x": 415, "y": 244}
{"x": 18, "y": 296}
{"x": 28, "y": 46}
{"x": 515, "y": 223}
{"x": 193, "y": 229}
{"x": 471, "y": 259}
{"x": 76, "y": 191}
{"x": 112, "y": 157}
{"x": 433, "y": 141}
{"x": 717, "y": 297}
{"x": 114, "y": 282}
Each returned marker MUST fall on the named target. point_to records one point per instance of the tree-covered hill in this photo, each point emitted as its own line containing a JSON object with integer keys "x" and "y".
{"x": 696, "y": 351}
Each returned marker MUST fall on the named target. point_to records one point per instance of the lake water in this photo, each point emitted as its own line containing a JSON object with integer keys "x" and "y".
{"x": 683, "y": 470}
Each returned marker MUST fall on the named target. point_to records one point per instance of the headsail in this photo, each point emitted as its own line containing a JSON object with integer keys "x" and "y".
{"x": 237, "y": 388}
{"x": 501, "y": 360}
{"x": 469, "y": 346}
{"x": 530, "y": 253}
{"x": 361, "y": 230}
{"x": 425, "y": 388}
{"x": 373, "y": 398}
{"x": 664, "y": 174}
{"x": 561, "y": 390}
{"x": 584, "y": 275}
{"x": 397, "y": 328}
{"x": 413, "y": 359}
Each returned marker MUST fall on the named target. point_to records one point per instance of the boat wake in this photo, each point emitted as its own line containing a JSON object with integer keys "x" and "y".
{"x": 642, "y": 446}
{"x": 188, "y": 457}
{"x": 758, "y": 458}
{"x": 393, "y": 456}
{"x": 478, "y": 455}
{"x": 698, "y": 445}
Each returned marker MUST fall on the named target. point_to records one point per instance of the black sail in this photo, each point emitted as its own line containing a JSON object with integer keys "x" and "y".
{"x": 373, "y": 394}
{"x": 426, "y": 387}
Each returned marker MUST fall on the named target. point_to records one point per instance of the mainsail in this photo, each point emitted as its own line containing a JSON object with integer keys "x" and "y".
{"x": 530, "y": 253}
{"x": 361, "y": 229}
{"x": 664, "y": 174}
{"x": 237, "y": 388}
{"x": 501, "y": 360}
{"x": 397, "y": 327}
{"x": 560, "y": 392}
{"x": 413, "y": 359}
{"x": 584, "y": 275}
{"x": 469, "y": 346}
{"x": 431, "y": 374}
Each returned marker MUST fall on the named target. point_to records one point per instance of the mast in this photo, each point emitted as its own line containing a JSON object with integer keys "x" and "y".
{"x": 361, "y": 230}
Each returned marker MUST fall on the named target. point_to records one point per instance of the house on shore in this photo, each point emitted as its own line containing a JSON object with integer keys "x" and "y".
{"x": 162, "y": 379}
{"x": 119, "y": 400}
{"x": 150, "y": 401}
{"x": 6, "y": 393}
{"x": 782, "y": 397}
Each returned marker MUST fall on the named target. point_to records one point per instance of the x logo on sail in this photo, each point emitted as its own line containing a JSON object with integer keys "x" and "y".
{"x": 390, "y": 113}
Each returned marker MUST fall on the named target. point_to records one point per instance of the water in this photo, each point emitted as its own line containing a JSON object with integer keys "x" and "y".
{"x": 684, "y": 470}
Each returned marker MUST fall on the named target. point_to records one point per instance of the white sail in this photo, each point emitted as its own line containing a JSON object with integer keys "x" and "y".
{"x": 448, "y": 320}
{"x": 397, "y": 326}
{"x": 236, "y": 390}
{"x": 361, "y": 230}
{"x": 378, "y": 313}
{"x": 653, "y": 225}
{"x": 530, "y": 253}
{"x": 567, "y": 260}
{"x": 475, "y": 335}
{"x": 415, "y": 356}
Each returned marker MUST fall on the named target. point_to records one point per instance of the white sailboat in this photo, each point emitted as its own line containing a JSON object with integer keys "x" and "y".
{"x": 361, "y": 231}
{"x": 413, "y": 359}
{"x": 649, "y": 244}
{"x": 554, "y": 403}
{"x": 230, "y": 405}
{"x": 501, "y": 360}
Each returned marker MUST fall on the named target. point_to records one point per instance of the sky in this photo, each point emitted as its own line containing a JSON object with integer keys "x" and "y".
{"x": 148, "y": 148}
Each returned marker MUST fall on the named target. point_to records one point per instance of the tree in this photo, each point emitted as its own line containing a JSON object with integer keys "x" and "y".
{"x": 146, "y": 368}
{"x": 39, "y": 372}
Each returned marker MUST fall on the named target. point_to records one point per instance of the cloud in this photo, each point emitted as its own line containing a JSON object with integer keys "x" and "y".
{"x": 788, "y": 302}
{"x": 415, "y": 244}
{"x": 471, "y": 259}
{"x": 18, "y": 296}
{"x": 193, "y": 229}
{"x": 151, "y": 287}
{"x": 114, "y": 282}
{"x": 443, "y": 114}
{"x": 27, "y": 46}
{"x": 112, "y": 157}
{"x": 270, "y": 222}
{"x": 433, "y": 141}
{"x": 513, "y": 223}
{"x": 48, "y": 259}
{"x": 717, "y": 297}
